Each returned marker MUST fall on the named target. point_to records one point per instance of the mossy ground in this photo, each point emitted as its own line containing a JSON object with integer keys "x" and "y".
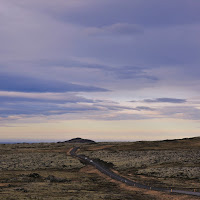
{"x": 168, "y": 163}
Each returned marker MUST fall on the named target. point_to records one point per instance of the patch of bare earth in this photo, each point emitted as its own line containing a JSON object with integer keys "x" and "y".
{"x": 68, "y": 151}
{"x": 4, "y": 184}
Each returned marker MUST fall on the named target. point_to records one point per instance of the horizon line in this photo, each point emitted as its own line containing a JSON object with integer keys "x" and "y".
{"x": 15, "y": 141}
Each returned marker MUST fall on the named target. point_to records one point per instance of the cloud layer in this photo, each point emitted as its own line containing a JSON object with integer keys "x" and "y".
{"x": 25, "y": 84}
{"x": 165, "y": 100}
{"x": 99, "y": 60}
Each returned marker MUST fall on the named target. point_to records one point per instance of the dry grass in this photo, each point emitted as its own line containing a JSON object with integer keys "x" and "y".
{"x": 58, "y": 175}
{"x": 173, "y": 164}
{"x": 63, "y": 177}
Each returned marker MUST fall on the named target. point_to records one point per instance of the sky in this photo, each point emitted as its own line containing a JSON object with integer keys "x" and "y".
{"x": 109, "y": 70}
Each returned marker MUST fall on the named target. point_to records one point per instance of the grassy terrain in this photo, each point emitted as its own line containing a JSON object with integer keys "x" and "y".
{"x": 45, "y": 171}
{"x": 171, "y": 163}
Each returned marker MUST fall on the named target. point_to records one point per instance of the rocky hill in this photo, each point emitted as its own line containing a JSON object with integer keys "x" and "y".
{"x": 80, "y": 140}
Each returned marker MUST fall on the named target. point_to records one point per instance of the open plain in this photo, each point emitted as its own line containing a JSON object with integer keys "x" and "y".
{"x": 47, "y": 171}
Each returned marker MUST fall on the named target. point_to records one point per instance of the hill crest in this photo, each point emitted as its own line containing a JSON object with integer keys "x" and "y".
{"x": 80, "y": 140}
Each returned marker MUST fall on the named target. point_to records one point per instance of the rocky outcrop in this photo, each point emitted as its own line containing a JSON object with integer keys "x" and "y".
{"x": 80, "y": 140}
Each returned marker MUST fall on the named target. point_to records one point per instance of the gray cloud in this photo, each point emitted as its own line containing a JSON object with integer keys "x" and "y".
{"x": 49, "y": 47}
{"x": 144, "y": 108}
{"x": 165, "y": 100}
{"x": 56, "y": 30}
{"x": 69, "y": 99}
{"x": 124, "y": 28}
{"x": 24, "y": 84}
{"x": 118, "y": 29}
{"x": 46, "y": 109}
{"x": 148, "y": 13}
{"x": 113, "y": 106}
{"x": 121, "y": 72}
{"x": 181, "y": 112}
{"x": 29, "y": 106}
{"x": 130, "y": 72}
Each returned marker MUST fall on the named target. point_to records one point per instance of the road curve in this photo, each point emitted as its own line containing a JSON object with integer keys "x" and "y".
{"x": 117, "y": 177}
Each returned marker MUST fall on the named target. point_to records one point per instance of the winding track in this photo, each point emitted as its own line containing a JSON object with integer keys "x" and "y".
{"x": 117, "y": 177}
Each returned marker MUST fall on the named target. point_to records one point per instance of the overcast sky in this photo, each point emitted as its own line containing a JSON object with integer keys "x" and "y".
{"x": 105, "y": 70}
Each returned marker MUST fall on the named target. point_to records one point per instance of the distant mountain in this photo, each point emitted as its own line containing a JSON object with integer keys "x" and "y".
{"x": 80, "y": 140}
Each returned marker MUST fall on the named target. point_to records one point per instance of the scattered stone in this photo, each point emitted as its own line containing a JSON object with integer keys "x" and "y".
{"x": 34, "y": 175}
{"x": 21, "y": 189}
{"x": 52, "y": 178}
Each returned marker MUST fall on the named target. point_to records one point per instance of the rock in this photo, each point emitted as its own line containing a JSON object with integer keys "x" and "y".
{"x": 34, "y": 175}
{"x": 21, "y": 189}
{"x": 80, "y": 140}
{"x": 52, "y": 178}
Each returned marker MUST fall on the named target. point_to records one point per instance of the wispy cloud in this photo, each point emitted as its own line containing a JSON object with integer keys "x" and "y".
{"x": 165, "y": 100}
{"x": 181, "y": 112}
{"x": 144, "y": 108}
{"x": 87, "y": 59}
{"x": 123, "y": 29}
{"x": 70, "y": 98}
{"x": 24, "y": 84}
{"x": 13, "y": 105}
